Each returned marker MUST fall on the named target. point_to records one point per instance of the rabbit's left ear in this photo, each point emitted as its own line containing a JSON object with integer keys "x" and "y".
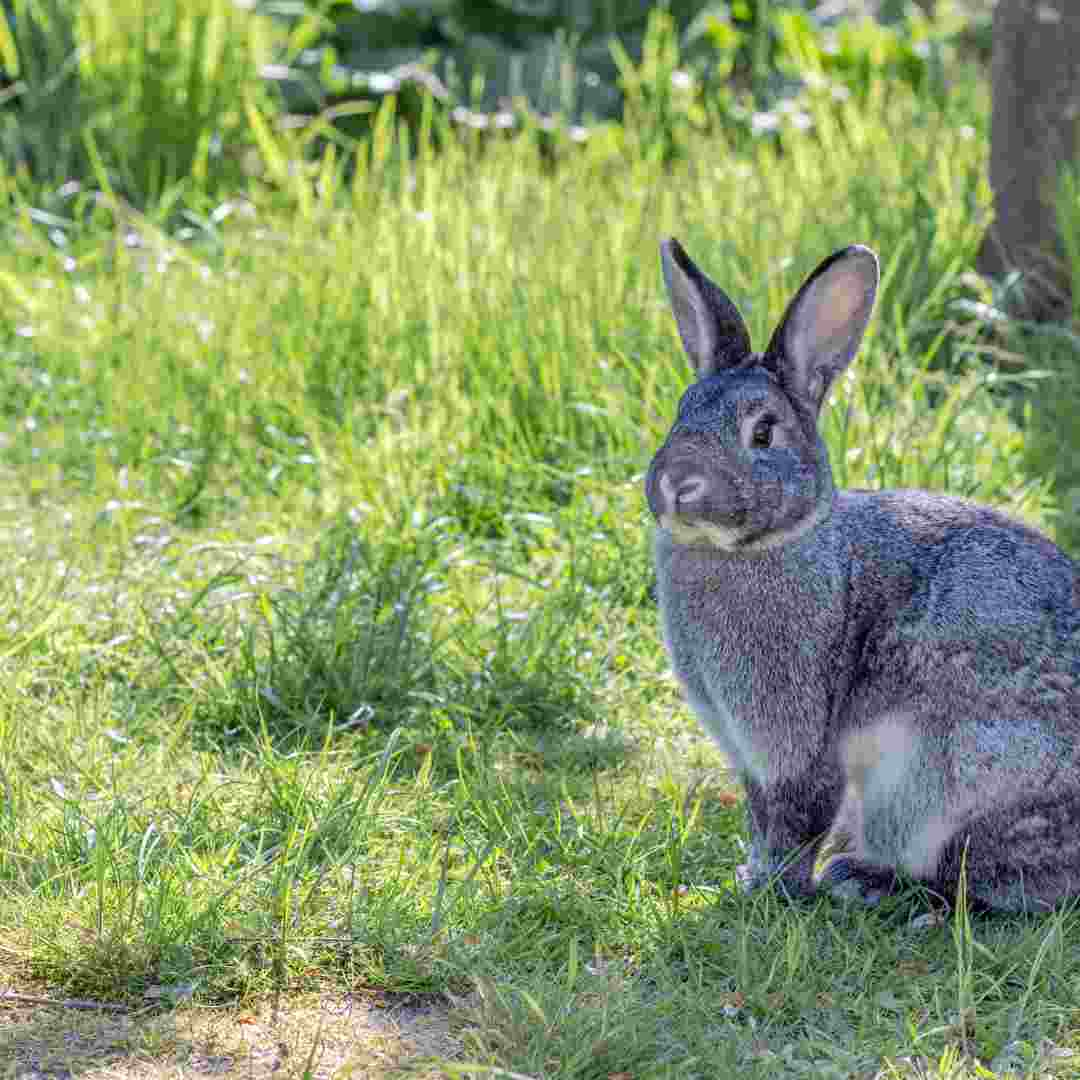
{"x": 712, "y": 330}
{"x": 823, "y": 326}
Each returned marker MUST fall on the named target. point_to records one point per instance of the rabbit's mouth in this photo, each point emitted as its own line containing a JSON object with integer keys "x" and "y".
{"x": 750, "y": 533}
{"x": 715, "y": 504}
{"x": 701, "y": 530}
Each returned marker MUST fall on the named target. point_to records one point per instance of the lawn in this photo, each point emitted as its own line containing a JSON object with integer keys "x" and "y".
{"x": 335, "y": 716}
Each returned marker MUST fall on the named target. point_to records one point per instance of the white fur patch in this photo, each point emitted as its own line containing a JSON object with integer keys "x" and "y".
{"x": 920, "y": 857}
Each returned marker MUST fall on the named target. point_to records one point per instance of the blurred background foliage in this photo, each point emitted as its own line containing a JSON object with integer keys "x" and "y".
{"x": 586, "y": 60}
{"x": 150, "y": 101}
{"x": 143, "y": 101}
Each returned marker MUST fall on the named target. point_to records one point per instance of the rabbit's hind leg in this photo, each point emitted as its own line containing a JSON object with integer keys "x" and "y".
{"x": 1024, "y": 856}
{"x": 848, "y": 878}
{"x": 856, "y": 860}
{"x": 841, "y": 866}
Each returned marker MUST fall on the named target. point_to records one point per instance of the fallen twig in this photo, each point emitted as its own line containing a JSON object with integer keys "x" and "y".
{"x": 61, "y": 1003}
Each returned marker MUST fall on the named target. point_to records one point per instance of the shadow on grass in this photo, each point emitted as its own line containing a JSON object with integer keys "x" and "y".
{"x": 364, "y": 642}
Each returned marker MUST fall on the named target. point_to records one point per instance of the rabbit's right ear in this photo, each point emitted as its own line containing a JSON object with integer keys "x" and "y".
{"x": 712, "y": 330}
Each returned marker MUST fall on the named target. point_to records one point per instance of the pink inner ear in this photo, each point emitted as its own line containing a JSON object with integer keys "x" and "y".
{"x": 841, "y": 296}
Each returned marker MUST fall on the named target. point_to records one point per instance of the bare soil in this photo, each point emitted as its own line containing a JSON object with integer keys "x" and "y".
{"x": 314, "y": 1036}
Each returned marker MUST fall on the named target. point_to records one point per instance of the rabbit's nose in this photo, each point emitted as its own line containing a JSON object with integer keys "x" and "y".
{"x": 682, "y": 490}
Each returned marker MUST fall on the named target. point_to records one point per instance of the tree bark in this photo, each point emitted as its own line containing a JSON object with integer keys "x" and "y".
{"x": 1035, "y": 116}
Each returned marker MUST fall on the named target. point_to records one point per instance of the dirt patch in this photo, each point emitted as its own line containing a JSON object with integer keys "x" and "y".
{"x": 318, "y": 1037}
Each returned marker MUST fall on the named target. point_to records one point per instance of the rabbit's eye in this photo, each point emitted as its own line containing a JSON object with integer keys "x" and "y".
{"x": 762, "y": 434}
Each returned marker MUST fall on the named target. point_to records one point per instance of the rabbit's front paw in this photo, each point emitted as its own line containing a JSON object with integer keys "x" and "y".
{"x": 758, "y": 870}
{"x": 749, "y": 877}
{"x": 755, "y": 875}
{"x": 848, "y": 879}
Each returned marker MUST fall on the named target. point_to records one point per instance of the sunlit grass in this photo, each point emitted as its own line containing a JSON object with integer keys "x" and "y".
{"x": 329, "y": 646}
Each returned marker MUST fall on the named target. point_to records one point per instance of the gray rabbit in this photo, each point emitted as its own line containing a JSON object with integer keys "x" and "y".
{"x": 893, "y": 673}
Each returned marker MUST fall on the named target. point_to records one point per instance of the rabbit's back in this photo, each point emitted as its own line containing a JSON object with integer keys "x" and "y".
{"x": 968, "y": 604}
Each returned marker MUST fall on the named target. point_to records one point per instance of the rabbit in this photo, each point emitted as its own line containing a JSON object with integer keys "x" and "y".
{"x": 893, "y": 674}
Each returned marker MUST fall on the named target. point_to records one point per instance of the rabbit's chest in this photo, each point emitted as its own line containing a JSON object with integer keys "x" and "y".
{"x": 747, "y": 645}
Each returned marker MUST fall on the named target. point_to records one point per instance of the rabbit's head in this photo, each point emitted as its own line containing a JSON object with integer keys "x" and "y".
{"x": 744, "y": 468}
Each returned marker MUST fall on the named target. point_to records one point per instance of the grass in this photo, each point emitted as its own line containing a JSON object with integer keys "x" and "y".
{"x": 330, "y": 655}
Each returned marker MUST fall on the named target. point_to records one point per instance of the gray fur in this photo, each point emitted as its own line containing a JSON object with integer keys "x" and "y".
{"x": 893, "y": 674}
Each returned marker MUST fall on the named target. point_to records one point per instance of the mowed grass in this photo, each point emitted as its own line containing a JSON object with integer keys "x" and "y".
{"x": 330, "y": 653}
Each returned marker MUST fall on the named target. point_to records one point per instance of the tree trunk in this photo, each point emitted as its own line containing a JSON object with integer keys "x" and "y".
{"x": 1035, "y": 82}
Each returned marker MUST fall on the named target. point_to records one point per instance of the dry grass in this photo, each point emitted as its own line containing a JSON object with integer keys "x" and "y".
{"x": 311, "y": 1036}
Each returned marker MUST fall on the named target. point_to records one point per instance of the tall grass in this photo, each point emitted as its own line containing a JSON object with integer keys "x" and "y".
{"x": 143, "y": 101}
{"x": 395, "y": 350}
{"x": 329, "y": 649}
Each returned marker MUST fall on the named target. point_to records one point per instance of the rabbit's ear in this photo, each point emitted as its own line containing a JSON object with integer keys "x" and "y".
{"x": 824, "y": 324}
{"x": 712, "y": 330}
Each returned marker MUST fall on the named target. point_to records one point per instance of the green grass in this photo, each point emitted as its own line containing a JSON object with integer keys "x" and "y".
{"x": 329, "y": 648}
